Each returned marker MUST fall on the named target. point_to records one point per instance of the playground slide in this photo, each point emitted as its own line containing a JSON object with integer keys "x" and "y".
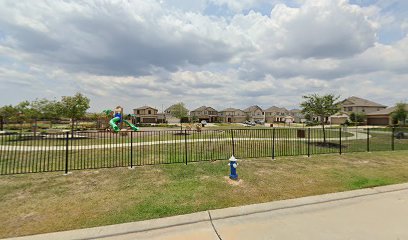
{"x": 113, "y": 122}
{"x": 133, "y": 127}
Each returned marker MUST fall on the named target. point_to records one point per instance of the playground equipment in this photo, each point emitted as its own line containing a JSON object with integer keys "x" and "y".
{"x": 116, "y": 123}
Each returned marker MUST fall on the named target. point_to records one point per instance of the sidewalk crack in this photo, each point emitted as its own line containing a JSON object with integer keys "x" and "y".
{"x": 212, "y": 224}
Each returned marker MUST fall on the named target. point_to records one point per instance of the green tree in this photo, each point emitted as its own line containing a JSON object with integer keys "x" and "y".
{"x": 353, "y": 117}
{"x": 400, "y": 113}
{"x": 73, "y": 107}
{"x": 179, "y": 111}
{"x": 320, "y": 106}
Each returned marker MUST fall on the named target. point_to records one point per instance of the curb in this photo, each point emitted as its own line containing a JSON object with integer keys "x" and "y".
{"x": 211, "y": 215}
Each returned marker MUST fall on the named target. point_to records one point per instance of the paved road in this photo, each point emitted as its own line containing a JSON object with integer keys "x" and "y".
{"x": 378, "y": 213}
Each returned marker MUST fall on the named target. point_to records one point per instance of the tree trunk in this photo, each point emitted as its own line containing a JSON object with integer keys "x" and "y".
{"x": 324, "y": 130}
{"x": 35, "y": 127}
{"x": 72, "y": 127}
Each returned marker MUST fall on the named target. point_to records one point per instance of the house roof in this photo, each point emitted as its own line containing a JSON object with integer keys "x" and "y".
{"x": 386, "y": 111}
{"x": 145, "y": 107}
{"x": 252, "y": 108}
{"x": 276, "y": 109}
{"x": 202, "y": 108}
{"x": 361, "y": 102}
{"x": 231, "y": 110}
{"x": 295, "y": 111}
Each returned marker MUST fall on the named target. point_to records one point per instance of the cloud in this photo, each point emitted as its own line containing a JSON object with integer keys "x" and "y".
{"x": 134, "y": 53}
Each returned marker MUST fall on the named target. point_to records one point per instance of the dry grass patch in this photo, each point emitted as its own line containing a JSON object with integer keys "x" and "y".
{"x": 46, "y": 202}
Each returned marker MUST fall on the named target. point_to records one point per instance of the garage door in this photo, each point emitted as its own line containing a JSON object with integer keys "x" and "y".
{"x": 149, "y": 120}
{"x": 378, "y": 121}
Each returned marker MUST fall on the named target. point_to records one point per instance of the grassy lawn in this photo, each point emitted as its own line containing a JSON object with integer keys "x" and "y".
{"x": 46, "y": 202}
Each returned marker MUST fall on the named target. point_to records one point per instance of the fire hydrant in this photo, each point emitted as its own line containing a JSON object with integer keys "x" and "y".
{"x": 233, "y": 167}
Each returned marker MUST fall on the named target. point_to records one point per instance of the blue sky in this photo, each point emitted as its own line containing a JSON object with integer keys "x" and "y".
{"x": 220, "y": 53}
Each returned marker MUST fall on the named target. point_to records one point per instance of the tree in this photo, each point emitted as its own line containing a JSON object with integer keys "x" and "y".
{"x": 179, "y": 111}
{"x": 400, "y": 113}
{"x": 320, "y": 106}
{"x": 73, "y": 107}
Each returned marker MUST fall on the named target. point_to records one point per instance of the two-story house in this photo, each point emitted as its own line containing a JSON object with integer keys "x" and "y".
{"x": 232, "y": 115}
{"x": 146, "y": 114}
{"x": 276, "y": 114}
{"x": 359, "y": 105}
{"x": 255, "y": 113}
{"x": 170, "y": 118}
{"x": 205, "y": 113}
{"x": 298, "y": 116}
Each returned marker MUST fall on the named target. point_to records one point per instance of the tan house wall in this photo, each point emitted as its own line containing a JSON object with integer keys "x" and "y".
{"x": 338, "y": 120}
{"x": 362, "y": 109}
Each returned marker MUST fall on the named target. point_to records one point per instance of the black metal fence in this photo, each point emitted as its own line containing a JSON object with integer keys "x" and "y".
{"x": 62, "y": 151}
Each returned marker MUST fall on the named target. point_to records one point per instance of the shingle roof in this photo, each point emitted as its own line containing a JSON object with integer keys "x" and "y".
{"x": 276, "y": 109}
{"x": 252, "y": 108}
{"x": 202, "y": 108}
{"x": 144, "y": 107}
{"x": 231, "y": 109}
{"x": 386, "y": 111}
{"x": 356, "y": 101}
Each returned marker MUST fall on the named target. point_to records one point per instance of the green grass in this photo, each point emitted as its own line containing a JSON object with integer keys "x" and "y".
{"x": 46, "y": 202}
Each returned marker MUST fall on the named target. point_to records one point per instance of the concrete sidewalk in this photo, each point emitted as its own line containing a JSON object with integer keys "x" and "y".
{"x": 375, "y": 213}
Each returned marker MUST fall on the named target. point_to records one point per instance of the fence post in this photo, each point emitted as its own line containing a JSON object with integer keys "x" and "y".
{"x": 273, "y": 143}
{"x": 1, "y": 123}
{"x": 368, "y": 139}
{"x": 308, "y": 142}
{"x": 131, "y": 149}
{"x": 66, "y": 151}
{"x": 233, "y": 144}
{"x": 340, "y": 147}
{"x": 393, "y": 139}
{"x": 185, "y": 144}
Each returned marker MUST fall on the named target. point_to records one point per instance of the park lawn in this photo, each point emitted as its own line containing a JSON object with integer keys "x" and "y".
{"x": 47, "y": 202}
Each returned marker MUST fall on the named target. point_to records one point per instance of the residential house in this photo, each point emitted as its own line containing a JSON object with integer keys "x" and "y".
{"x": 338, "y": 118}
{"x": 382, "y": 117}
{"x": 146, "y": 114}
{"x": 298, "y": 116}
{"x": 360, "y": 105}
{"x": 205, "y": 113}
{"x": 170, "y": 118}
{"x": 255, "y": 113}
{"x": 275, "y": 114}
{"x": 232, "y": 115}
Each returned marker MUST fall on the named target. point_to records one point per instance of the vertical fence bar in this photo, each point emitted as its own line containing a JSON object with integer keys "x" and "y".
{"x": 273, "y": 143}
{"x": 66, "y": 151}
{"x": 368, "y": 139}
{"x": 308, "y": 142}
{"x": 131, "y": 149}
{"x": 185, "y": 145}
{"x": 233, "y": 144}
{"x": 340, "y": 146}
{"x": 393, "y": 139}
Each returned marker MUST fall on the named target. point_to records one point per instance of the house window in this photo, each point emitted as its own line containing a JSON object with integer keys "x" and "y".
{"x": 363, "y": 110}
{"x": 149, "y": 112}
{"x": 137, "y": 111}
{"x": 350, "y": 109}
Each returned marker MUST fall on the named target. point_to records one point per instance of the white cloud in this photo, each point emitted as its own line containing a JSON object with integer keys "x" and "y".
{"x": 134, "y": 53}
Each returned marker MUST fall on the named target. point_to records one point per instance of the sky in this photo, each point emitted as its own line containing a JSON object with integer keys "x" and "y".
{"x": 219, "y": 53}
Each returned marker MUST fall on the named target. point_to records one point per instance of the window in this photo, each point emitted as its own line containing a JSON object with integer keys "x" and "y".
{"x": 149, "y": 112}
{"x": 350, "y": 109}
{"x": 363, "y": 110}
{"x": 137, "y": 111}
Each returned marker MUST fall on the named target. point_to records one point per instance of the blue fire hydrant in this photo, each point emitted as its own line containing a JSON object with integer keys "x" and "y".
{"x": 233, "y": 167}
